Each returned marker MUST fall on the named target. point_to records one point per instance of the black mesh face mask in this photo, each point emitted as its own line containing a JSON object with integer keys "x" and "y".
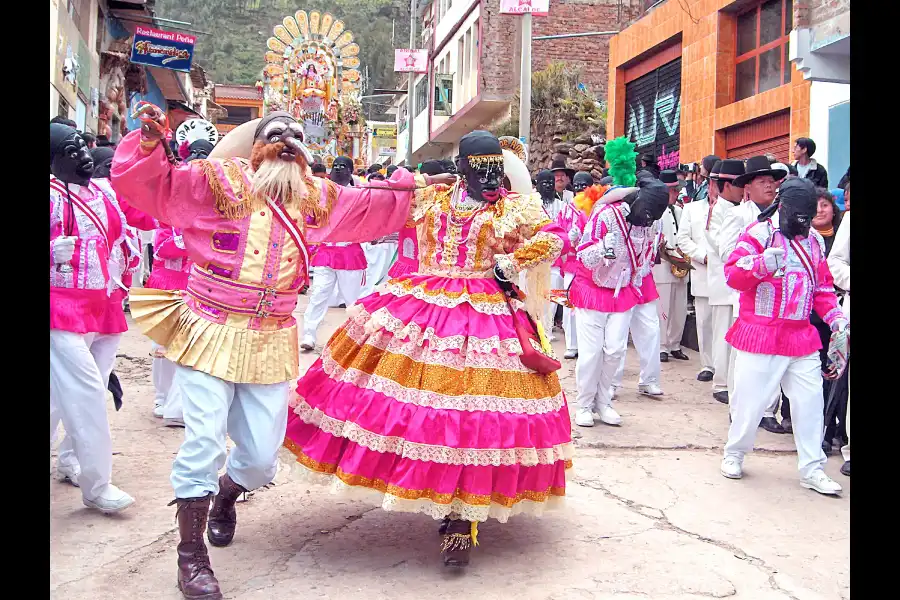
{"x": 793, "y": 221}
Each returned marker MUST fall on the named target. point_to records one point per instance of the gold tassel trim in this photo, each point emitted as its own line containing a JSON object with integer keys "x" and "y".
{"x": 310, "y": 207}
{"x": 456, "y": 541}
{"x": 484, "y": 160}
{"x": 233, "y": 211}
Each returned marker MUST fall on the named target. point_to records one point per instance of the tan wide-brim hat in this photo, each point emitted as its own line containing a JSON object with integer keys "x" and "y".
{"x": 237, "y": 143}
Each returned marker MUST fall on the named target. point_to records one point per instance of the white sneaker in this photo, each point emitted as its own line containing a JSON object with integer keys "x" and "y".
{"x": 173, "y": 422}
{"x": 608, "y": 415}
{"x": 68, "y": 473}
{"x": 613, "y": 392}
{"x": 650, "y": 389}
{"x": 308, "y": 343}
{"x": 571, "y": 354}
{"x": 112, "y": 500}
{"x": 822, "y": 483}
{"x": 731, "y": 467}
{"x": 584, "y": 417}
{"x": 158, "y": 411}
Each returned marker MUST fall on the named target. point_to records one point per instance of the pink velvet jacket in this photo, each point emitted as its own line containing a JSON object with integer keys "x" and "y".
{"x": 774, "y": 311}
{"x": 171, "y": 264}
{"x": 80, "y": 300}
{"x": 614, "y": 285}
{"x": 340, "y": 257}
{"x": 247, "y": 268}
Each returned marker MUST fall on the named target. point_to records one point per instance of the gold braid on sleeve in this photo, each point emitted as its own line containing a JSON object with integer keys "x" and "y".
{"x": 541, "y": 248}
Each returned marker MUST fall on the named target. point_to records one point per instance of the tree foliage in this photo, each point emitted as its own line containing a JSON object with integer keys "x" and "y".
{"x": 234, "y": 48}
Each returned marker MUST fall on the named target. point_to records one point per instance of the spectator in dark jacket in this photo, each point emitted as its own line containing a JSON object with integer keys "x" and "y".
{"x": 806, "y": 165}
{"x": 845, "y": 179}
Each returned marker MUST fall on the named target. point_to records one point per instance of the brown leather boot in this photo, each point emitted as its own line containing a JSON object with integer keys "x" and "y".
{"x": 195, "y": 575}
{"x": 223, "y": 516}
{"x": 457, "y": 543}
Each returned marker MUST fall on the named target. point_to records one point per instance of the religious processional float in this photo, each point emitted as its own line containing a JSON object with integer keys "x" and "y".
{"x": 312, "y": 72}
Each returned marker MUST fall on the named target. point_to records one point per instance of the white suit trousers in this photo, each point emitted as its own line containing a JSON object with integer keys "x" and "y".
{"x": 253, "y": 415}
{"x": 378, "y": 258}
{"x": 556, "y": 283}
{"x": 845, "y": 450}
{"x": 721, "y": 350}
{"x": 603, "y": 338}
{"x": 80, "y": 365}
{"x": 645, "y": 333}
{"x": 672, "y": 308}
{"x": 704, "y": 333}
{"x": 569, "y": 318}
{"x": 757, "y": 378}
{"x": 167, "y": 395}
{"x": 324, "y": 281}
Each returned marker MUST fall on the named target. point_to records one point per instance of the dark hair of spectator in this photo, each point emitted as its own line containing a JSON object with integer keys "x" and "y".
{"x": 64, "y": 121}
{"x": 808, "y": 145}
{"x": 318, "y": 168}
{"x": 823, "y": 194}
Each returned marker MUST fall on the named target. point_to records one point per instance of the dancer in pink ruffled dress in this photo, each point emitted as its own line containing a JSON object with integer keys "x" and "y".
{"x": 422, "y": 400}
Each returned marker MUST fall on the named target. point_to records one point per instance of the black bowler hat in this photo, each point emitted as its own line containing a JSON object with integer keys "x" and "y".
{"x": 758, "y": 166}
{"x": 560, "y": 165}
{"x": 669, "y": 177}
{"x": 729, "y": 170}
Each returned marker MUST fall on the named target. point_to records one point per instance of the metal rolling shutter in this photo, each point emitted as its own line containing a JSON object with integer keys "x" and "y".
{"x": 653, "y": 113}
{"x": 769, "y": 134}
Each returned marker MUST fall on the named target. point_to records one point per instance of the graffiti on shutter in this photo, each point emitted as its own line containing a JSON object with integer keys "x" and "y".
{"x": 653, "y": 115}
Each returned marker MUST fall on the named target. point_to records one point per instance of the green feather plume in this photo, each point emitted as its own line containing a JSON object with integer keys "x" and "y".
{"x": 621, "y": 157}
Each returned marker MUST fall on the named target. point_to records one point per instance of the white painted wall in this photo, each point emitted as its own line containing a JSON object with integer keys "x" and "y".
{"x": 465, "y": 73}
{"x": 822, "y": 97}
{"x": 457, "y": 9}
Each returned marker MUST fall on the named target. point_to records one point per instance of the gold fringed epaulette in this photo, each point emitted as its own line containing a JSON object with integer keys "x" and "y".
{"x": 311, "y": 205}
{"x": 246, "y": 203}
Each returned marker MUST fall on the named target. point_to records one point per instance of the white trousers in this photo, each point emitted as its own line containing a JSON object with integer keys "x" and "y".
{"x": 672, "y": 308}
{"x": 757, "y": 378}
{"x": 845, "y": 450}
{"x": 167, "y": 395}
{"x": 704, "y": 319}
{"x": 645, "y": 332}
{"x": 378, "y": 258}
{"x": 569, "y": 325}
{"x": 324, "y": 281}
{"x": 721, "y": 350}
{"x": 556, "y": 283}
{"x": 253, "y": 415}
{"x": 603, "y": 338}
{"x": 80, "y": 365}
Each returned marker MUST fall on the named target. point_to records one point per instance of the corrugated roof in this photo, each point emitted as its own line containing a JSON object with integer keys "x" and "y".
{"x": 238, "y": 92}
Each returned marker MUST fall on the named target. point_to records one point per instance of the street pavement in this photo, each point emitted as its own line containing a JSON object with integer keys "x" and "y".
{"x": 648, "y": 516}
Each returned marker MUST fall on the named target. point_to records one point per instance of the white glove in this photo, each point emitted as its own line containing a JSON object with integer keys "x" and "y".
{"x": 63, "y": 249}
{"x": 179, "y": 242}
{"x": 774, "y": 259}
{"x": 838, "y": 352}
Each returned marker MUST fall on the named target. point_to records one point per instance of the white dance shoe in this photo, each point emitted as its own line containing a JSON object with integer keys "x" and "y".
{"x": 111, "y": 500}
{"x": 608, "y": 415}
{"x": 821, "y": 483}
{"x": 584, "y": 417}
{"x": 68, "y": 473}
{"x": 650, "y": 389}
{"x": 731, "y": 468}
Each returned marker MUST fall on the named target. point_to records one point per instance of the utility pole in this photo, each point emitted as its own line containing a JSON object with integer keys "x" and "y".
{"x": 525, "y": 82}
{"x": 411, "y": 86}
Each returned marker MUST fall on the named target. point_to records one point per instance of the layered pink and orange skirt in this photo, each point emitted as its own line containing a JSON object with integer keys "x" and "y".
{"x": 420, "y": 401}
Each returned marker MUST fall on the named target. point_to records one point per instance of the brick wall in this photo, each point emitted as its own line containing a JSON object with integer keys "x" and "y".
{"x": 500, "y": 53}
{"x": 823, "y": 10}
{"x": 591, "y": 54}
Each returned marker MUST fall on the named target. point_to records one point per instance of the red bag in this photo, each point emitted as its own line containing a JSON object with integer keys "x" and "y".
{"x": 533, "y": 355}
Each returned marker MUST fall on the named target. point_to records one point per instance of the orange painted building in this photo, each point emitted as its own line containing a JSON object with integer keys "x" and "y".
{"x": 738, "y": 95}
{"x": 243, "y": 103}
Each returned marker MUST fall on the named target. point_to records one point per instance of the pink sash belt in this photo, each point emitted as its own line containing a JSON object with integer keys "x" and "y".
{"x": 239, "y": 297}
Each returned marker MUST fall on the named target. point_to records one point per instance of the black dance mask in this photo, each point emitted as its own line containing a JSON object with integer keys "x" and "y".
{"x": 481, "y": 164}
{"x": 70, "y": 159}
{"x": 582, "y": 181}
{"x": 342, "y": 171}
{"x": 648, "y": 203}
{"x": 546, "y": 185}
{"x": 796, "y": 207}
